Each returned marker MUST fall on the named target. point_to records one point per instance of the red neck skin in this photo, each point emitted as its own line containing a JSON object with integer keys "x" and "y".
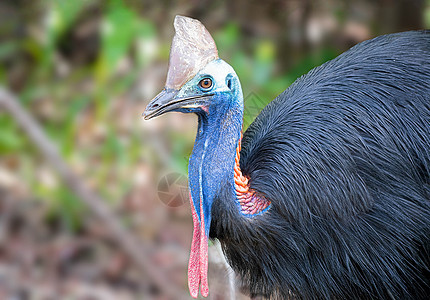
{"x": 251, "y": 204}
{"x": 198, "y": 263}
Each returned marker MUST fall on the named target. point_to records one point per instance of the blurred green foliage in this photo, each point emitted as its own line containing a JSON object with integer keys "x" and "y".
{"x": 427, "y": 15}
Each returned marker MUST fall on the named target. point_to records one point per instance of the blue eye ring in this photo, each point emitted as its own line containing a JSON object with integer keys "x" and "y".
{"x": 205, "y": 84}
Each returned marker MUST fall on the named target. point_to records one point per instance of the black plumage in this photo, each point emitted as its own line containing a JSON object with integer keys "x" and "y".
{"x": 344, "y": 157}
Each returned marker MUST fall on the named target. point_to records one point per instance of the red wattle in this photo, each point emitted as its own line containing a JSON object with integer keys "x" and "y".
{"x": 198, "y": 263}
{"x": 194, "y": 262}
{"x": 203, "y": 255}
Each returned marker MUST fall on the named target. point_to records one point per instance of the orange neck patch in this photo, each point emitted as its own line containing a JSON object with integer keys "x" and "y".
{"x": 250, "y": 203}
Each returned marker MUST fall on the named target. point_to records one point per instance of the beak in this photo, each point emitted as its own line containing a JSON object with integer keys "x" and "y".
{"x": 166, "y": 101}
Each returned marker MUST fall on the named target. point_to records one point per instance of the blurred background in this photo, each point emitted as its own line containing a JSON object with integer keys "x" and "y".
{"x": 85, "y": 70}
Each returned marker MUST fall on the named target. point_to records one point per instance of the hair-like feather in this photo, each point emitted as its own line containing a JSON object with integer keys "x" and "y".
{"x": 344, "y": 157}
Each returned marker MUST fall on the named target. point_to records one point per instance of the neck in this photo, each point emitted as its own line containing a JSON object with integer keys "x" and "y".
{"x": 212, "y": 161}
{"x": 215, "y": 163}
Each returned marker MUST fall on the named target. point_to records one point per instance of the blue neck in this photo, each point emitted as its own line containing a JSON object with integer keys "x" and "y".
{"x": 211, "y": 163}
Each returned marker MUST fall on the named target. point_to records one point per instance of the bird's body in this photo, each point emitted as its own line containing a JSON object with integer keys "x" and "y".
{"x": 344, "y": 157}
{"x": 330, "y": 198}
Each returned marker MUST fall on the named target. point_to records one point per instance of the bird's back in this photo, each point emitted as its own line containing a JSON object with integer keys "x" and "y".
{"x": 344, "y": 156}
{"x": 360, "y": 121}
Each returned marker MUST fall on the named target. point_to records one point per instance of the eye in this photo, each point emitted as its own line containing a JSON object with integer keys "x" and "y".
{"x": 205, "y": 83}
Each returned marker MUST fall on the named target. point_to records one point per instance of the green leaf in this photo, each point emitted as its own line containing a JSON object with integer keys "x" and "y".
{"x": 119, "y": 28}
{"x": 71, "y": 209}
{"x": 11, "y": 139}
{"x": 427, "y": 15}
{"x": 227, "y": 37}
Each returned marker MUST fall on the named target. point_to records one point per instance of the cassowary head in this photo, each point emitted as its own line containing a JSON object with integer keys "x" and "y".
{"x": 197, "y": 79}
{"x": 201, "y": 83}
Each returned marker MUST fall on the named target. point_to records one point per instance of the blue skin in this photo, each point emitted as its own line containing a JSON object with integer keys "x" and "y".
{"x": 220, "y": 115}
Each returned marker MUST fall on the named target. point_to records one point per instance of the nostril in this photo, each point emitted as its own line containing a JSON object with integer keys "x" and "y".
{"x": 154, "y": 105}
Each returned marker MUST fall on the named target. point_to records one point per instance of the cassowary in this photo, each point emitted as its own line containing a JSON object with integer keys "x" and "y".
{"x": 327, "y": 195}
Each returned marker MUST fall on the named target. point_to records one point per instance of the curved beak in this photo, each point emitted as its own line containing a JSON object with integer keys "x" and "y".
{"x": 167, "y": 101}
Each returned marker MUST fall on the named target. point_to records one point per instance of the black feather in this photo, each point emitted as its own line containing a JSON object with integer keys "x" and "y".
{"x": 344, "y": 156}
